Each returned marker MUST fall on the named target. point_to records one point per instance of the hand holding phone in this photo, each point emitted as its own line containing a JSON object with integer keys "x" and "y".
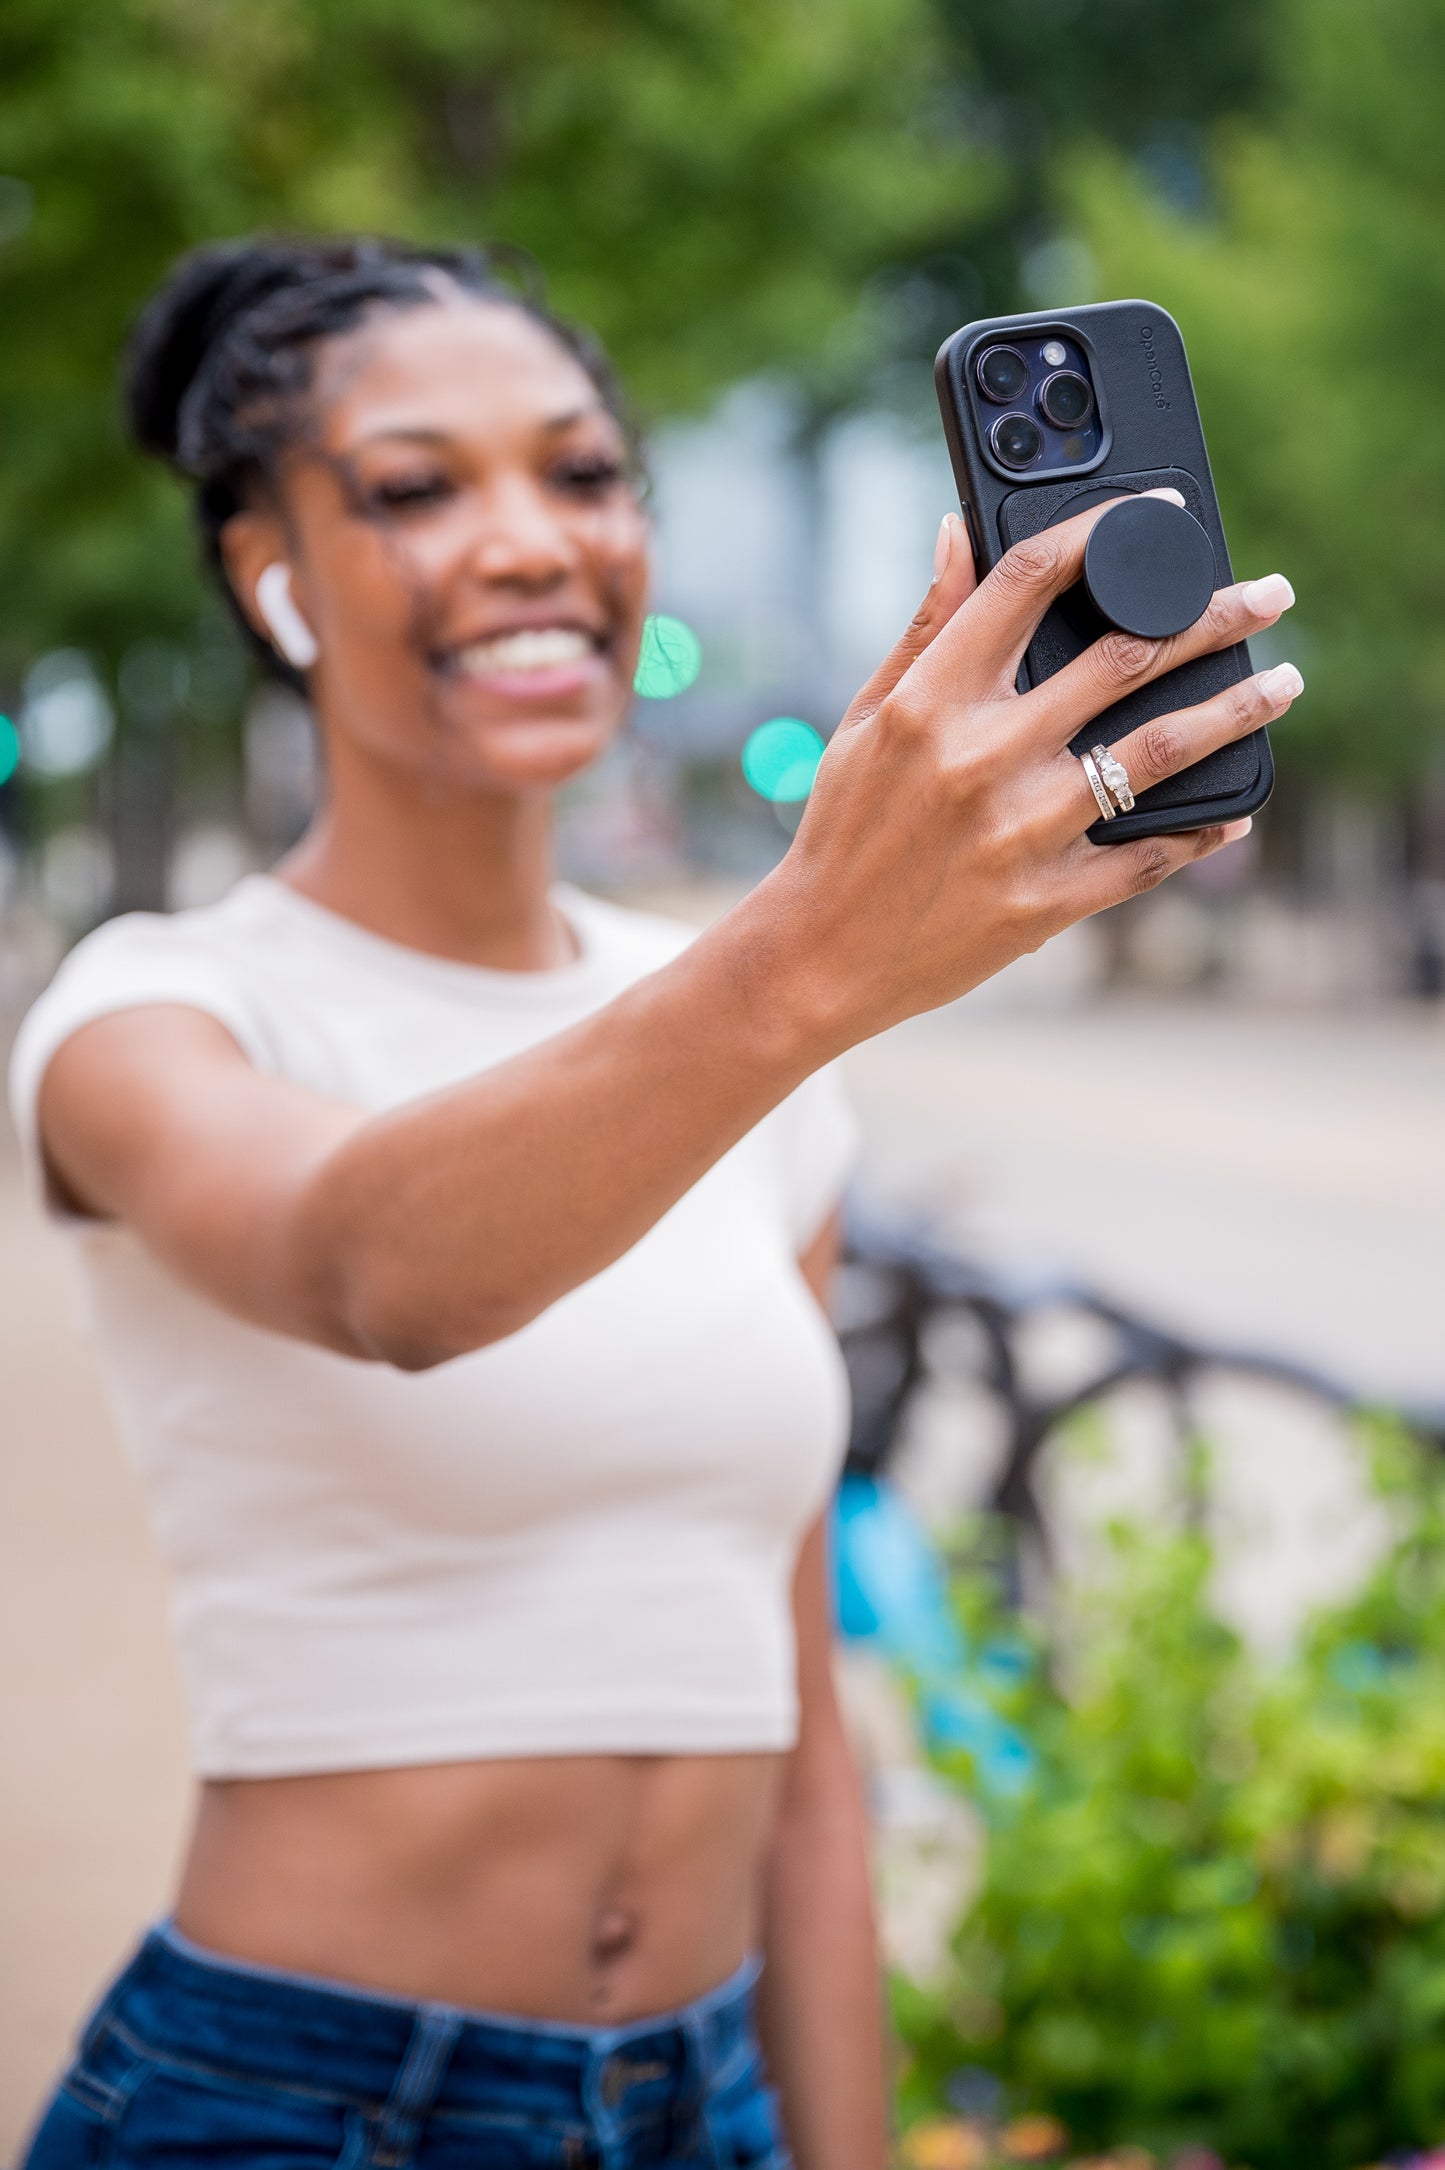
{"x": 946, "y": 831}
{"x": 1058, "y": 413}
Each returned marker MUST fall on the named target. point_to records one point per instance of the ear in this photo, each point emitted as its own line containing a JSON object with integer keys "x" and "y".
{"x": 254, "y": 551}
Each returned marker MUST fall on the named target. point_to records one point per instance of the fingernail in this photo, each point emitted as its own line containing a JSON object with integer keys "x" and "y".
{"x": 1269, "y": 596}
{"x": 943, "y": 548}
{"x": 1175, "y": 497}
{"x": 1282, "y": 684}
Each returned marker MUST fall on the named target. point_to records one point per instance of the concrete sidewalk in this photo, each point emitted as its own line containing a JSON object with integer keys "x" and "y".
{"x": 1265, "y": 1178}
{"x": 94, "y": 1784}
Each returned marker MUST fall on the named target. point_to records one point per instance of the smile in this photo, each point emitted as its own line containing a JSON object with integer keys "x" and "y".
{"x": 530, "y": 648}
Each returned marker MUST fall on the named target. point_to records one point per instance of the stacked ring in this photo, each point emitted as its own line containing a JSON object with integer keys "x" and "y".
{"x": 1116, "y": 779}
{"x": 1089, "y": 764}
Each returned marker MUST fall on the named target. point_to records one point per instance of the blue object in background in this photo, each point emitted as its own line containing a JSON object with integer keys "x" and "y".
{"x": 890, "y": 1590}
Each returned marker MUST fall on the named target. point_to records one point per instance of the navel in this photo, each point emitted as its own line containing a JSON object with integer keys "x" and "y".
{"x": 614, "y": 1936}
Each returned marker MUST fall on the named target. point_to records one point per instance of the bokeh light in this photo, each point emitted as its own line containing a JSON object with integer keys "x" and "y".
{"x": 670, "y": 659}
{"x": 781, "y": 759}
{"x": 9, "y": 749}
{"x": 67, "y": 722}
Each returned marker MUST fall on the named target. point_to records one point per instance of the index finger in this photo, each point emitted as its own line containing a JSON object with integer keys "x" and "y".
{"x": 999, "y": 620}
{"x": 954, "y": 580}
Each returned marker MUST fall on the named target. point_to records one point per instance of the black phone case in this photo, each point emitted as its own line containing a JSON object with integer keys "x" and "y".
{"x": 1152, "y": 438}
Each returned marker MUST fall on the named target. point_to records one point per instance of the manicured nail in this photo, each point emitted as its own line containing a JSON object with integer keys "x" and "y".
{"x": 1234, "y": 830}
{"x": 1269, "y": 596}
{"x": 943, "y": 548}
{"x": 1175, "y": 497}
{"x": 1282, "y": 684}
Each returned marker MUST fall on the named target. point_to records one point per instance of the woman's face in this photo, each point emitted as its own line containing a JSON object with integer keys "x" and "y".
{"x": 466, "y": 542}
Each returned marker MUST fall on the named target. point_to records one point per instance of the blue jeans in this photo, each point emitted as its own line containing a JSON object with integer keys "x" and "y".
{"x": 192, "y": 2059}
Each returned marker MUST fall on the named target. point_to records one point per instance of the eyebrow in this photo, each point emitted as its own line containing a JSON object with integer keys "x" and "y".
{"x": 552, "y": 425}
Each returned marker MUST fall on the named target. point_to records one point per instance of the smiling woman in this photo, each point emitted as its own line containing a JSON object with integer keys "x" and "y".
{"x": 455, "y": 1244}
{"x": 335, "y": 416}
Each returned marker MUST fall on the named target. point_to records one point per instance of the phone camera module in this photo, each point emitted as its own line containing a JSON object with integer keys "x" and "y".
{"x": 1017, "y": 440}
{"x": 1066, "y": 399}
{"x": 1003, "y": 374}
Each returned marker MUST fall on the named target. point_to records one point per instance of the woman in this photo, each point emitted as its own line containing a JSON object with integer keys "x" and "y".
{"x": 457, "y": 1246}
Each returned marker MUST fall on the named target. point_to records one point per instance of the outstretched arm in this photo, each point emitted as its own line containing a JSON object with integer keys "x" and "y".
{"x": 945, "y": 835}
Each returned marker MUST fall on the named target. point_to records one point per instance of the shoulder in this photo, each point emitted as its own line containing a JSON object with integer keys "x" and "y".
{"x": 187, "y": 958}
{"x": 148, "y": 956}
{"x": 127, "y": 942}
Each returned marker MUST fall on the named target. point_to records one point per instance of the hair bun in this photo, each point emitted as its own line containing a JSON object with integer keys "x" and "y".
{"x": 178, "y": 327}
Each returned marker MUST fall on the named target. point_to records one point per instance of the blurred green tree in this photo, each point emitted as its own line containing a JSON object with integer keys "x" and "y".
{"x": 1312, "y": 296}
{"x": 706, "y": 181}
{"x": 1026, "y": 84}
{"x": 1148, "y": 77}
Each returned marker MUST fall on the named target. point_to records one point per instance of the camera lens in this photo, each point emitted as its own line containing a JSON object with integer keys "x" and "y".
{"x": 1003, "y": 373}
{"x": 1017, "y": 440}
{"x": 1066, "y": 399}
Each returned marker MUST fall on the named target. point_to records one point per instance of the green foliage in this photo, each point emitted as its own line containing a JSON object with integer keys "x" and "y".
{"x": 707, "y": 183}
{"x": 1036, "y": 78}
{"x": 1220, "y": 1914}
{"x": 1313, "y": 304}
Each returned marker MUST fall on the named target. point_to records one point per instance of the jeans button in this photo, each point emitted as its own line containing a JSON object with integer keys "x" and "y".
{"x": 615, "y": 2078}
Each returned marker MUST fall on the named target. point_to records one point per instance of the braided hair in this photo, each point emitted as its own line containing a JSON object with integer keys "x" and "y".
{"x": 219, "y": 364}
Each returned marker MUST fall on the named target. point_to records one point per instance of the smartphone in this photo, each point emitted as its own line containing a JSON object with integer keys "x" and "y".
{"x": 1048, "y": 414}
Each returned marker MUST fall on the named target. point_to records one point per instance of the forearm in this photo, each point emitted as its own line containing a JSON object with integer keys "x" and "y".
{"x": 821, "y": 2012}
{"x": 453, "y": 1221}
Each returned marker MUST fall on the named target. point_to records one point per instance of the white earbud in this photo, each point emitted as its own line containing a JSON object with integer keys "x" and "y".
{"x": 277, "y": 605}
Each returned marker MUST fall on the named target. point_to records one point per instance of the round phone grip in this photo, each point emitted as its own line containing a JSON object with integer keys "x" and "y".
{"x": 1148, "y": 567}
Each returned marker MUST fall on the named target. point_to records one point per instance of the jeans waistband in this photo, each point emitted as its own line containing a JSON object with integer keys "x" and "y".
{"x": 323, "y": 2040}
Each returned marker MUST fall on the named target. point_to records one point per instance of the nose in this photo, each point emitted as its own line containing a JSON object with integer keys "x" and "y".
{"x": 522, "y": 539}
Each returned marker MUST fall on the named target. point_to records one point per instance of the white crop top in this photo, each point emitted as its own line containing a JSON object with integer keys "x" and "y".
{"x": 578, "y": 1540}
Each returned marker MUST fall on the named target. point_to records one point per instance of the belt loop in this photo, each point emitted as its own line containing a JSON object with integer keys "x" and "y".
{"x": 433, "y": 2039}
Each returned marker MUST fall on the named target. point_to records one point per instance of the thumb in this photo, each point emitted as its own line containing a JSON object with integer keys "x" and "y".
{"x": 954, "y": 579}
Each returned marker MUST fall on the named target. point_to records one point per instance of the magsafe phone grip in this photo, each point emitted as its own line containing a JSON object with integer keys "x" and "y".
{"x": 1144, "y": 434}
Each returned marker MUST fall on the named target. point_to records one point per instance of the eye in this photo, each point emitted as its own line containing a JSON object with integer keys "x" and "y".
{"x": 589, "y": 475}
{"x": 405, "y": 493}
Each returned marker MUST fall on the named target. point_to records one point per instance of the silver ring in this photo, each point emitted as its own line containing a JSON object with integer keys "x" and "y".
{"x": 1106, "y": 806}
{"x": 1116, "y": 779}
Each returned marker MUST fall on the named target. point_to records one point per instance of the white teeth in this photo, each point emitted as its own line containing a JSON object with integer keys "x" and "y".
{"x": 535, "y": 648}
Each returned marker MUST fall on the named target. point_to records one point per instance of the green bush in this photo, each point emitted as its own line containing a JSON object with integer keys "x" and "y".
{"x": 1218, "y": 1914}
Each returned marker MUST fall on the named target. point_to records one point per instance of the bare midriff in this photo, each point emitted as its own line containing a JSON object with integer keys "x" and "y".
{"x": 592, "y": 1889}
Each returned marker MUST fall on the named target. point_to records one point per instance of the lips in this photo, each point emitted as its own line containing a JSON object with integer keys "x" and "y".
{"x": 524, "y": 650}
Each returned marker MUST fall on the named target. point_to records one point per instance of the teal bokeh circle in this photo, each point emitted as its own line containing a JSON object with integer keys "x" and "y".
{"x": 669, "y": 660}
{"x": 781, "y": 759}
{"x": 9, "y": 749}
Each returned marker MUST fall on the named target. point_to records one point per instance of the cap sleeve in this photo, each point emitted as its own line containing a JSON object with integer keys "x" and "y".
{"x": 819, "y": 1139}
{"x": 128, "y": 963}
